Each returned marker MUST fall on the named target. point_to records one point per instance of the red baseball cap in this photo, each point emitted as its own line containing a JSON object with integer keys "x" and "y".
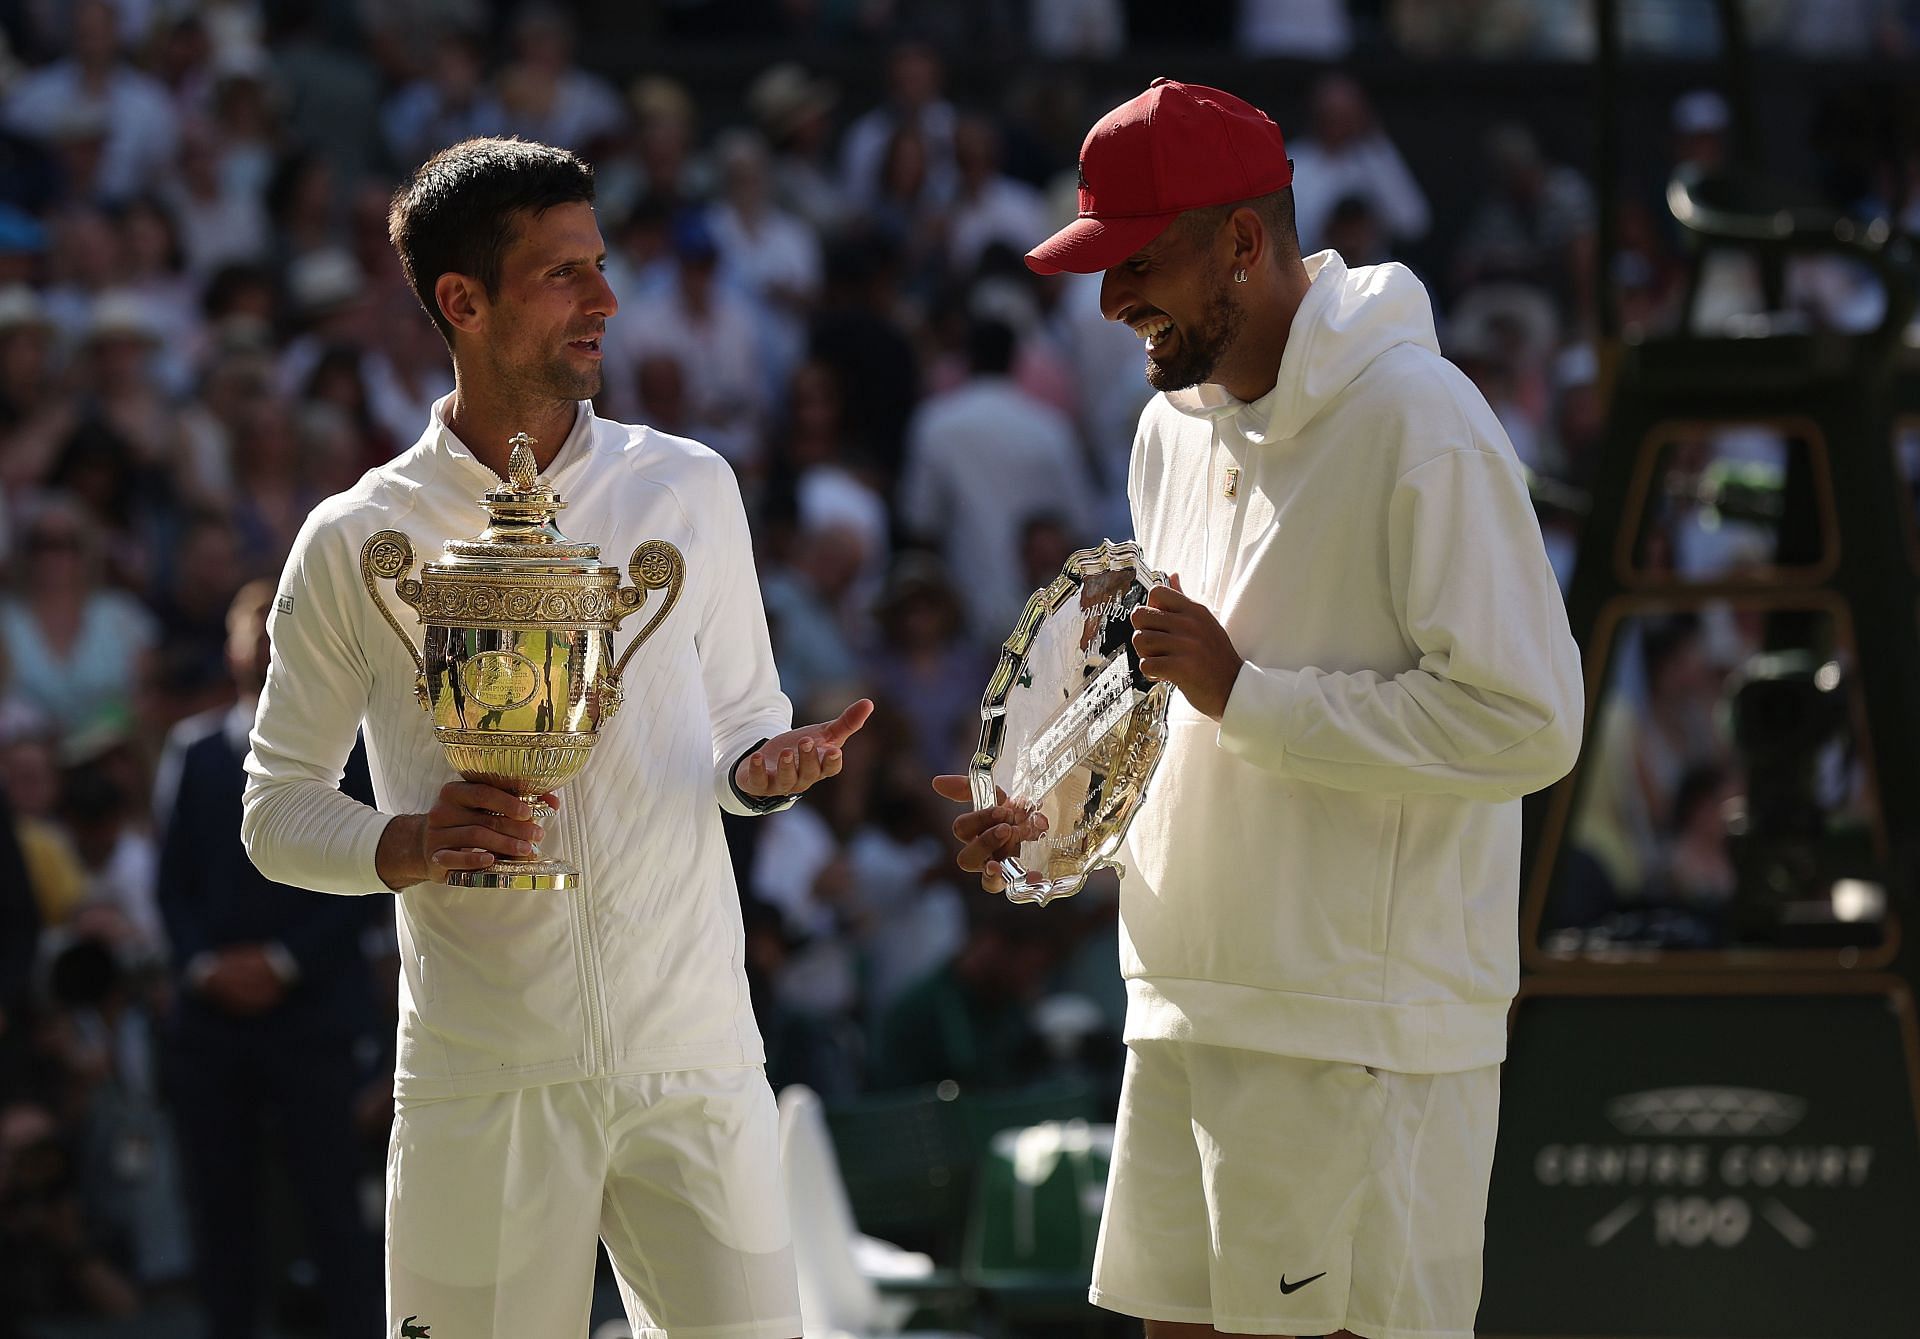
{"x": 1173, "y": 148}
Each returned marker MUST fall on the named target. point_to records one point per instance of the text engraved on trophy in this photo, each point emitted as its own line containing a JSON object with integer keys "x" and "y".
{"x": 1076, "y": 731}
{"x": 1096, "y": 617}
{"x": 501, "y": 680}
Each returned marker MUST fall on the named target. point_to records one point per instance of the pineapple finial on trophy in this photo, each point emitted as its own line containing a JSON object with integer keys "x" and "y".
{"x": 521, "y": 466}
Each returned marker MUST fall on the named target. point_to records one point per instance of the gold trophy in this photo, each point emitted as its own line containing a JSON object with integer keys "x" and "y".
{"x": 518, "y": 670}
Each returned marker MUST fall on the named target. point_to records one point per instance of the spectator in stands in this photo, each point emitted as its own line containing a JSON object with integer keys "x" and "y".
{"x": 221, "y": 222}
{"x": 832, "y": 479}
{"x": 966, "y": 446}
{"x": 857, "y": 332}
{"x": 447, "y": 104}
{"x": 36, "y": 413}
{"x": 100, "y": 1030}
{"x": 246, "y": 123}
{"x": 1079, "y": 29}
{"x": 303, "y": 199}
{"x": 547, "y": 96}
{"x": 1701, "y": 120}
{"x": 793, "y": 109}
{"x": 96, "y": 86}
{"x": 912, "y": 214}
{"x": 107, "y": 828}
{"x": 78, "y": 648}
{"x": 48, "y": 1263}
{"x": 990, "y": 206}
{"x": 1348, "y": 156}
{"x": 1535, "y": 224}
{"x": 809, "y": 610}
{"x": 771, "y": 254}
{"x": 710, "y": 329}
{"x": 1640, "y": 754}
{"x": 663, "y": 159}
{"x": 1353, "y": 230}
{"x": 914, "y": 103}
{"x": 971, "y": 1020}
{"x": 328, "y": 92}
{"x": 1699, "y": 872}
{"x": 85, "y": 265}
{"x": 275, "y": 1009}
{"x": 1300, "y": 29}
{"x": 273, "y": 484}
{"x": 927, "y": 665}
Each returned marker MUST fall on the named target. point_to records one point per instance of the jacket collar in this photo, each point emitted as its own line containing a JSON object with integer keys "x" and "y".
{"x": 445, "y": 450}
{"x": 1278, "y": 414}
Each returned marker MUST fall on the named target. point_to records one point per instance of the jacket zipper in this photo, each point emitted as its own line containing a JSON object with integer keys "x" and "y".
{"x": 589, "y": 949}
{"x": 1201, "y": 589}
{"x": 1222, "y": 512}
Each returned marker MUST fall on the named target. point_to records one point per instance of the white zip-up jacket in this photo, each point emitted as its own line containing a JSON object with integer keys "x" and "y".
{"x": 1332, "y": 871}
{"x": 637, "y": 969}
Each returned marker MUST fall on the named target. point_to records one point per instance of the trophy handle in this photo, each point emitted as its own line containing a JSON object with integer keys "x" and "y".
{"x": 656, "y": 564}
{"x": 387, "y": 556}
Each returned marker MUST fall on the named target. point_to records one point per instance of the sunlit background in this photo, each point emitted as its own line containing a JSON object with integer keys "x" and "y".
{"x": 815, "y": 211}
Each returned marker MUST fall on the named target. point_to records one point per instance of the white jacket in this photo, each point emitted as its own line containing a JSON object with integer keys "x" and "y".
{"x": 1333, "y": 871}
{"x": 640, "y": 967}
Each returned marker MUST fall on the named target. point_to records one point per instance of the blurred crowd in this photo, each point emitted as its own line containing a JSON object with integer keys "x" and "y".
{"x": 204, "y": 331}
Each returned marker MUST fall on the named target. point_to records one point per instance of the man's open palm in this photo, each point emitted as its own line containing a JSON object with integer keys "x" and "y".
{"x": 788, "y": 764}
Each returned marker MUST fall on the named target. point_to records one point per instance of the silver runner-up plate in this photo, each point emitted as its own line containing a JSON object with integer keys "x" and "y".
{"x": 1069, "y": 726}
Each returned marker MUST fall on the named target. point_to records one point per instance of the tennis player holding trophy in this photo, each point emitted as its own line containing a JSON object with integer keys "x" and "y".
{"x": 1363, "y": 663}
{"x": 578, "y": 1059}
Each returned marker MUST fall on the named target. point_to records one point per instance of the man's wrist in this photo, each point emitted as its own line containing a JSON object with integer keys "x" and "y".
{"x": 1232, "y": 681}
{"x": 757, "y": 804}
{"x": 400, "y": 860}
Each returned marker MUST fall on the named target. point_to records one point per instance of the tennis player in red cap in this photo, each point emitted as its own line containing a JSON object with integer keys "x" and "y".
{"x": 1319, "y": 912}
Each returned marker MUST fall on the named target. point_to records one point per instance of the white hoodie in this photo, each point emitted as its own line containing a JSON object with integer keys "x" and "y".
{"x": 639, "y": 968}
{"x": 1333, "y": 871}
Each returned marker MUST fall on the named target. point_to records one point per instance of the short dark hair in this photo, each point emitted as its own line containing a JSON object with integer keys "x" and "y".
{"x": 1275, "y": 210}
{"x": 456, "y": 214}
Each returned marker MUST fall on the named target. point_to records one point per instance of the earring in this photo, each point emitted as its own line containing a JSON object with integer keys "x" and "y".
{"x": 1239, "y": 276}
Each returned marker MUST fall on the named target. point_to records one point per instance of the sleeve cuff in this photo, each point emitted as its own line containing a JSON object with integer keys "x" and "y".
{"x": 1259, "y": 722}
{"x": 364, "y": 845}
{"x": 737, "y": 801}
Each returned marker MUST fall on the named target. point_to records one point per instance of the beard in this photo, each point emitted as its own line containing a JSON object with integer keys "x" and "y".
{"x": 552, "y": 377}
{"x": 564, "y": 381}
{"x": 1201, "y": 347}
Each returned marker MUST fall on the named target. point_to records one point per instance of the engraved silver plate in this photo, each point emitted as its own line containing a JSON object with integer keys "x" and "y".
{"x": 1069, "y": 727}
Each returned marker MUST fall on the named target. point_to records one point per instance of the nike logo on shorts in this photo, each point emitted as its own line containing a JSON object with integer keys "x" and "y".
{"x": 1289, "y": 1288}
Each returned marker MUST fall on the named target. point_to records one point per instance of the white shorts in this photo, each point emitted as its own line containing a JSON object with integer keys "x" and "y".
{"x": 494, "y": 1204}
{"x": 1262, "y": 1194}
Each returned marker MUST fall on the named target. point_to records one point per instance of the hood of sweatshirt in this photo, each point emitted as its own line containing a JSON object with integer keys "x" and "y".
{"x": 1347, "y": 319}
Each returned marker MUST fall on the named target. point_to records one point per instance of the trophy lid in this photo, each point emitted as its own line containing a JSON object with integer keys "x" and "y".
{"x": 520, "y": 523}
